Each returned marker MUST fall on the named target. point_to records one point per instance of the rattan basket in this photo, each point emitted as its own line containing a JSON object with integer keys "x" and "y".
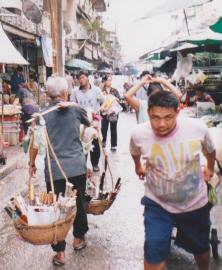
{"x": 98, "y": 207}
{"x": 46, "y": 234}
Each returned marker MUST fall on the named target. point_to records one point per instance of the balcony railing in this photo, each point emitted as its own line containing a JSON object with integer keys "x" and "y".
{"x": 18, "y": 21}
{"x": 80, "y": 33}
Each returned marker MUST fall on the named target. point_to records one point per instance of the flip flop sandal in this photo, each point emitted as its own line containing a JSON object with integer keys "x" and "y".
{"x": 57, "y": 262}
{"x": 81, "y": 246}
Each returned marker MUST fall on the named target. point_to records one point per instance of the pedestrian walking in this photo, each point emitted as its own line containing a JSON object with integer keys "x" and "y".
{"x": 89, "y": 97}
{"x": 201, "y": 95}
{"x": 63, "y": 127}
{"x": 17, "y": 80}
{"x": 110, "y": 119}
{"x": 175, "y": 187}
{"x": 70, "y": 82}
{"x": 28, "y": 103}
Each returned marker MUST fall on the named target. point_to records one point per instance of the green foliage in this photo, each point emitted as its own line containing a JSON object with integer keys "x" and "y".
{"x": 97, "y": 27}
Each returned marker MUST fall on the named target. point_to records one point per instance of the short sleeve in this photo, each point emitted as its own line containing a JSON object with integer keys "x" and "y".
{"x": 117, "y": 94}
{"x": 20, "y": 94}
{"x": 73, "y": 96}
{"x": 207, "y": 144}
{"x": 134, "y": 149}
{"x": 100, "y": 96}
{"x": 142, "y": 113}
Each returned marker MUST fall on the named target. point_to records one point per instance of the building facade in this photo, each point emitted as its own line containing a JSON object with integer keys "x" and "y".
{"x": 83, "y": 33}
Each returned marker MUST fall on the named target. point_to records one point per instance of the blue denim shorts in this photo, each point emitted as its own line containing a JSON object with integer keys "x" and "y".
{"x": 193, "y": 229}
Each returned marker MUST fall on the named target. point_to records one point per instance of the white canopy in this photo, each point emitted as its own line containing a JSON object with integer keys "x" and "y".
{"x": 184, "y": 47}
{"x": 8, "y": 53}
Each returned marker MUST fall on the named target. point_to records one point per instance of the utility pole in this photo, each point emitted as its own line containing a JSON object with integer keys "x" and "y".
{"x": 186, "y": 21}
{"x": 57, "y": 36}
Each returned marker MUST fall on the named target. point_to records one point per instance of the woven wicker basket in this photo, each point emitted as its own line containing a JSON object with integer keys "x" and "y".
{"x": 46, "y": 234}
{"x": 98, "y": 207}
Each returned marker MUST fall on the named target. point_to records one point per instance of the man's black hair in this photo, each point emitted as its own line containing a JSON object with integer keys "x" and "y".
{"x": 66, "y": 72}
{"x": 82, "y": 72}
{"x": 154, "y": 87}
{"x": 145, "y": 72}
{"x": 105, "y": 78}
{"x": 200, "y": 88}
{"x": 163, "y": 99}
{"x": 19, "y": 68}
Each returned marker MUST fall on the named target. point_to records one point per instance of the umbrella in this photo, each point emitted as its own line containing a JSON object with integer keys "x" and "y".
{"x": 173, "y": 5}
{"x": 217, "y": 27}
{"x": 105, "y": 70}
{"x": 185, "y": 46}
{"x": 80, "y": 64}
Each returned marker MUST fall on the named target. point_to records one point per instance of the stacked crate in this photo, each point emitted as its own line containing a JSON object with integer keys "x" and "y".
{"x": 11, "y": 129}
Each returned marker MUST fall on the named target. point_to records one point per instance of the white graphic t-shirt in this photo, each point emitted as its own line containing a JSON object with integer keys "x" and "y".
{"x": 174, "y": 177}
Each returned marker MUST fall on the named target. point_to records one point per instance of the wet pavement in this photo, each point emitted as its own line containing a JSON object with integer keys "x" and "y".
{"x": 115, "y": 239}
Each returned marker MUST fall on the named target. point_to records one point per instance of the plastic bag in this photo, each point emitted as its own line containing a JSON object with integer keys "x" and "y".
{"x": 111, "y": 105}
{"x": 184, "y": 66}
{"x": 196, "y": 77}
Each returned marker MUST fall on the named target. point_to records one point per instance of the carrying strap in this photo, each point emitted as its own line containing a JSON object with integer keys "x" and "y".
{"x": 50, "y": 149}
{"x": 106, "y": 161}
{"x": 50, "y": 168}
{"x": 49, "y": 146}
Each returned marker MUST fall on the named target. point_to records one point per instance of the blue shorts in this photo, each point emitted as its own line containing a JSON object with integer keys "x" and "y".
{"x": 193, "y": 229}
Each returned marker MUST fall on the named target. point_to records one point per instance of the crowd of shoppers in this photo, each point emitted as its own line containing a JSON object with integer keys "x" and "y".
{"x": 176, "y": 193}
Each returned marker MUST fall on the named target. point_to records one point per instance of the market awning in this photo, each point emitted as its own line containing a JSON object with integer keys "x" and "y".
{"x": 153, "y": 56}
{"x": 8, "y": 53}
{"x": 80, "y": 64}
{"x": 207, "y": 38}
{"x": 217, "y": 27}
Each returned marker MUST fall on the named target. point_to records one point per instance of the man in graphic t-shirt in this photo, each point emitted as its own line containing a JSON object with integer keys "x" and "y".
{"x": 166, "y": 153}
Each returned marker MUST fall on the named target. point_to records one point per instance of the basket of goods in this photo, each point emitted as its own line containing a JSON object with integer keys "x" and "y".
{"x": 99, "y": 202}
{"x": 44, "y": 218}
{"x": 47, "y": 221}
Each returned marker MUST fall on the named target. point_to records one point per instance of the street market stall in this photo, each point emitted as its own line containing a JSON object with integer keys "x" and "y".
{"x": 9, "y": 55}
{"x": 11, "y": 124}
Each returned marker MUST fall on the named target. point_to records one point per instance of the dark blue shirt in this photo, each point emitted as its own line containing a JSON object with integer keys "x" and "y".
{"x": 15, "y": 81}
{"x": 63, "y": 127}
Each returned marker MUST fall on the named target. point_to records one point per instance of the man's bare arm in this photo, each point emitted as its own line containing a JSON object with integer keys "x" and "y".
{"x": 139, "y": 167}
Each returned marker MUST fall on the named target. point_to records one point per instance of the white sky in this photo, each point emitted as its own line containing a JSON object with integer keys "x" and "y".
{"x": 137, "y": 38}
